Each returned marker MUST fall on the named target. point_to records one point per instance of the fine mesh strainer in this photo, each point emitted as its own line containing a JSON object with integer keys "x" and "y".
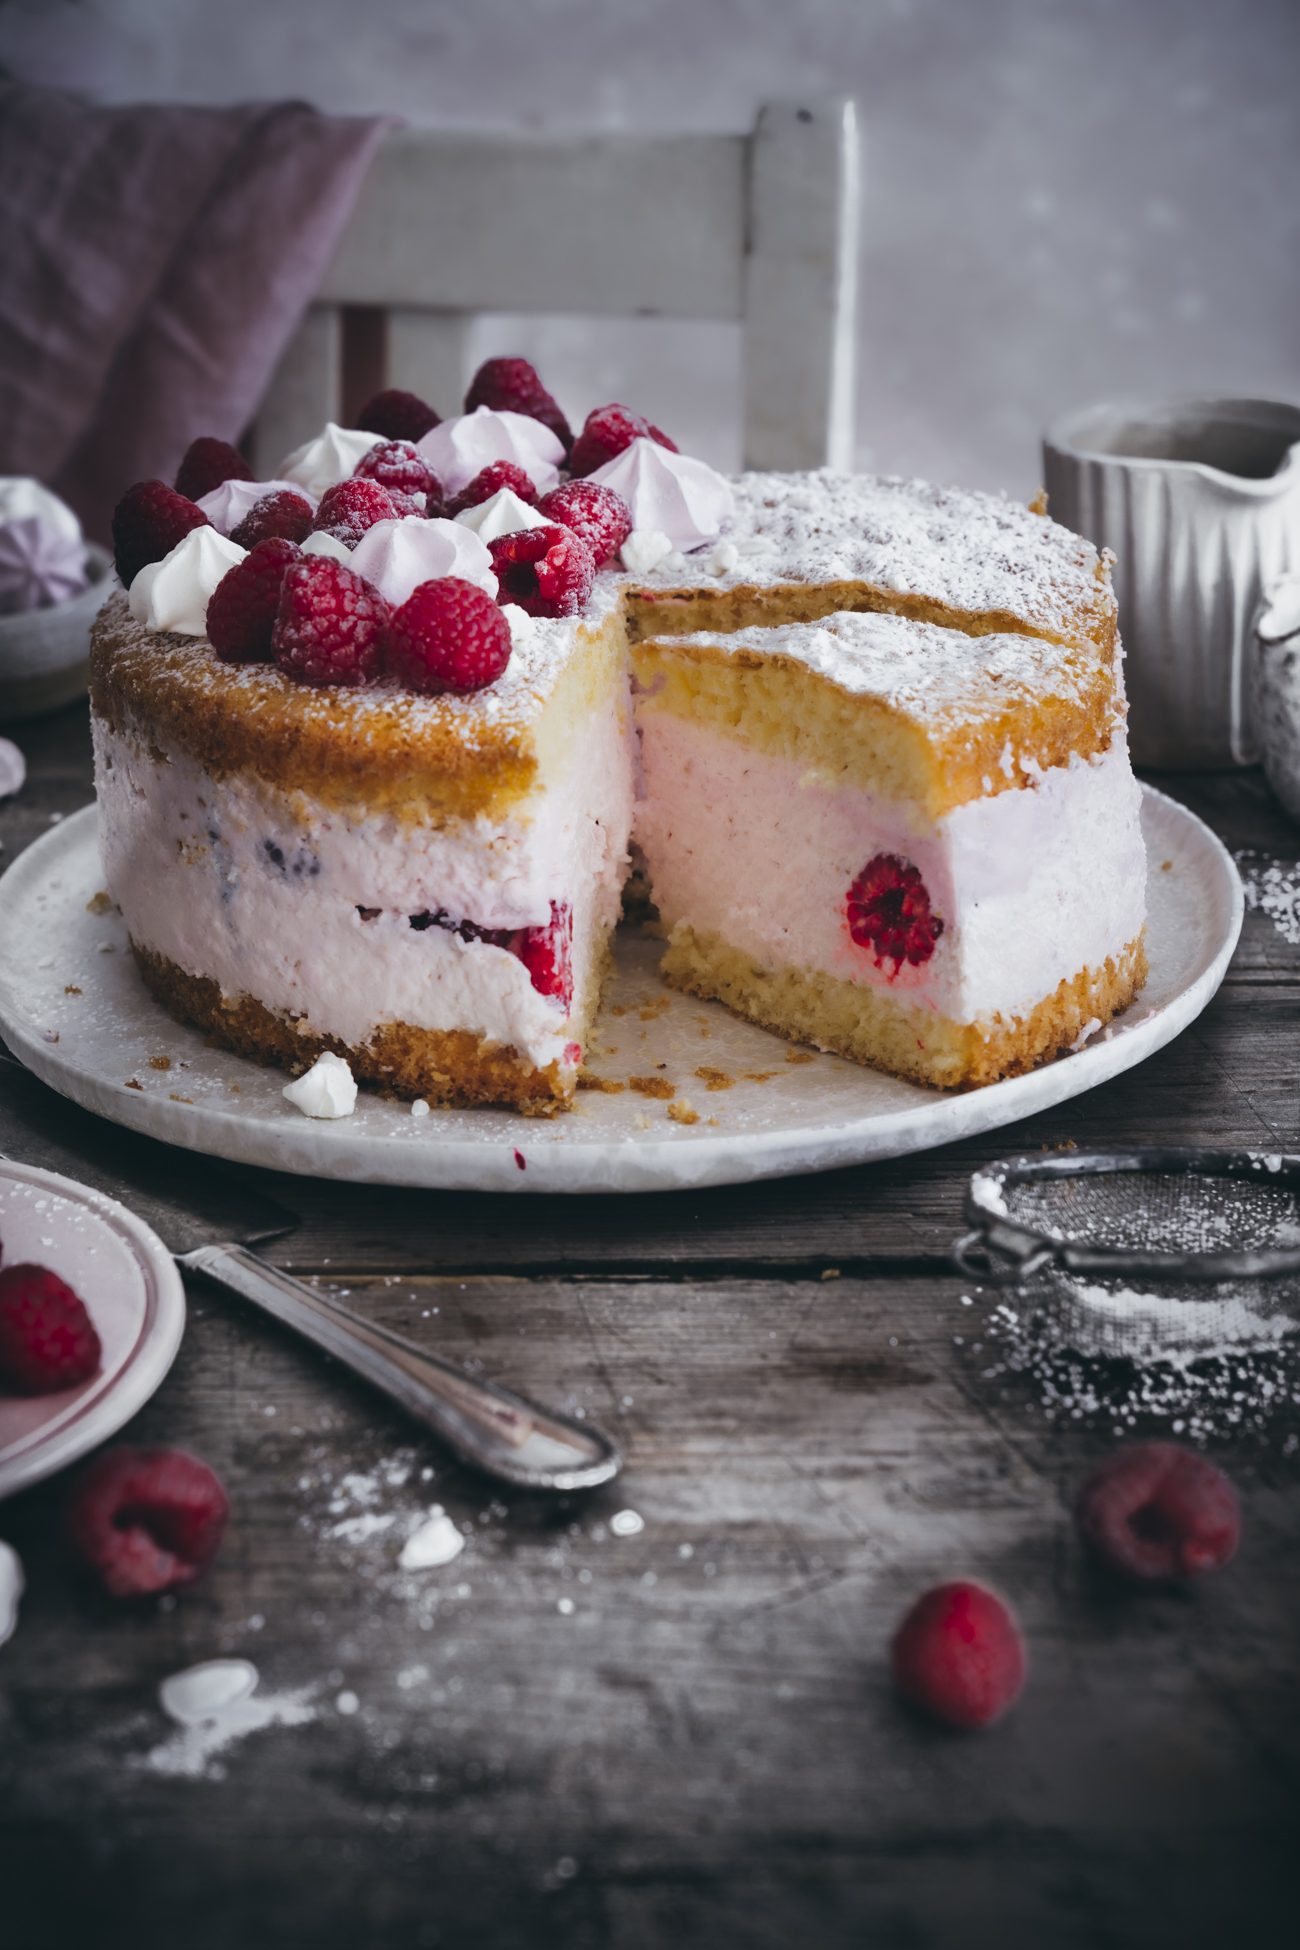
{"x": 1084, "y": 1225}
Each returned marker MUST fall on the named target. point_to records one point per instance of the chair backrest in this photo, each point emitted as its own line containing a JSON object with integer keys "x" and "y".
{"x": 758, "y": 228}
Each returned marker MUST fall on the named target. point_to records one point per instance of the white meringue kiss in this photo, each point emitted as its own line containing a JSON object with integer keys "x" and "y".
{"x": 173, "y": 594}
{"x": 332, "y": 456}
{"x": 42, "y": 554}
{"x": 459, "y": 449}
{"x": 503, "y": 513}
{"x": 672, "y": 494}
{"x": 397, "y": 556}
{"x": 319, "y": 543}
{"x": 327, "y": 1090}
{"x": 227, "y": 505}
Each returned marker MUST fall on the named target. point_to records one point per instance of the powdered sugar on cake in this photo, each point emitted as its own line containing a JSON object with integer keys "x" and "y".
{"x": 970, "y": 552}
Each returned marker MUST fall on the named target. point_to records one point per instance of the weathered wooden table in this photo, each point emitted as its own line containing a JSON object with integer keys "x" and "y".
{"x": 586, "y": 1733}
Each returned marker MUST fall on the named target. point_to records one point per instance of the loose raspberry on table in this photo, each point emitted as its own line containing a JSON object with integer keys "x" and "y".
{"x": 959, "y": 1655}
{"x": 512, "y": 386}
{"x": 242, "y": 608}
{"x": 490, "y": 480}
{"x": 330, "y": 625}
{"x": 547, "y": 571}
{"x": 888, "y": 909}
{"x": 397, "y": 415}
{"x": 350, "y": 507}
{"x": 47, "y": 1338}
{"x": 448, "y": 636}
{"x": 146, "y": 1520}
{"x": 601, "y": 517}
{"x": 396, "y": 464}
{"x": 207, "y": 463}
{"x": 606, "y": 431}
{"x": 148, "y": 522}
{"x": 281, "y": 513}
{"x": 1156, "y": 1512}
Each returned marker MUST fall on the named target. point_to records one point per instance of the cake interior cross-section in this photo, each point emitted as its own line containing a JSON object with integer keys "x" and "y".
{"x": 379, "y": 740}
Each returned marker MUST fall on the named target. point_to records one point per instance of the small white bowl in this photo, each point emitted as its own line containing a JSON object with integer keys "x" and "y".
{"x": 44, "y": 653}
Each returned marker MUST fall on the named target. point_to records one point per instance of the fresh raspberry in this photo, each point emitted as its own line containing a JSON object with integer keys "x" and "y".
{"x": 406, "y": 505}
{"x": 601, "y": 517}
{"x": 547, "y": 571}
{"x": 242, "y": 607}
{"x": 1156, "y": 1512}
{"x": 47, "y": 1339}
{"x": 146, "y": 1520}
{"x": 888, "y": 908}
{"x": 490, "y": 480}
{"x": 606, "y": 431}
{"x": 329, "y": 628}
{"x": 207, "y": 463}
{"x": 512, "y": 386}
{"x": 282, "y": 513}
{"x": 148, "y": 522}
{"x": 959, "y": 1655}
{"x": 396, "y": 464}
{"x": 397, "y": 415}
{"x": 547, "y": 954}
{"x": 350, "y": 507}
{"x": 448, "y": 636}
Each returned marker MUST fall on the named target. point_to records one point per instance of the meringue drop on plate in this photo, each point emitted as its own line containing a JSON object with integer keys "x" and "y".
{"x": 174, "y": 594}
{"x": 669, "y": 494}
{"x": 227, "y": 505}
{"x": 397, "y": 556}
{"x": 42, "y": 552}
{"x": 459, "y": 449}
{"x": 332, "y": 456}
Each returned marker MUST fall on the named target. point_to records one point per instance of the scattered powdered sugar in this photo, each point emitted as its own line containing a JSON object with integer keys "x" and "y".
{"x": 437, "y": 1541}
{"x": 11, "y": 1590}
{"x": 1119, "y": 1359}
{"x": 1275, "y": 891}
{"x": 216, "y": 1705}
{"x": 968, "y": 551}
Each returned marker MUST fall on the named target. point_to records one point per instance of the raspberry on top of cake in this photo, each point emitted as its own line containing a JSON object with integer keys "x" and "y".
{"x": 366, "y": 746}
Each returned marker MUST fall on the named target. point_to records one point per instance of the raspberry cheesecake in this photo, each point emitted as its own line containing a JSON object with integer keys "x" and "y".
{"x": 369, "y": 734}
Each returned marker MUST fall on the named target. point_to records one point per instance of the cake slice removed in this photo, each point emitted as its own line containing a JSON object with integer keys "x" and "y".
{"x": 910, "y": 845}
{"x": 425, "y": 885}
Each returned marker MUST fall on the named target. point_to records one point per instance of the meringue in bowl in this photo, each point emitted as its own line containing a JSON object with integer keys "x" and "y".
{"x": 44, "y": 653}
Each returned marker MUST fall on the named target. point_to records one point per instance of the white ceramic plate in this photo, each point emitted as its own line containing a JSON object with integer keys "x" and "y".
{"x": 72, "y": 1007}
{"x": 133, "y": 1292}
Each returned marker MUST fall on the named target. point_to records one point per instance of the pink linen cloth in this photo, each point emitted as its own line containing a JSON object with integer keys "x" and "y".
{"x": 157, "y": 261}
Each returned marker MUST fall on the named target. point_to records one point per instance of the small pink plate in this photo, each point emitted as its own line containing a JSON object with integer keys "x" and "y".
{"x": 130, "y": 1284}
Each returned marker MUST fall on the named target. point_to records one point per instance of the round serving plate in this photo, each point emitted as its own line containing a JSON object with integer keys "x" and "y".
{"x": 689, "y": 1096}
{"x": 133, "y": 1293}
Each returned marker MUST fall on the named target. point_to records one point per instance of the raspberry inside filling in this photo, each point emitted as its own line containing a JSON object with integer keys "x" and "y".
{"x": 888, "y": 911}
{"x": 546, "y": 951}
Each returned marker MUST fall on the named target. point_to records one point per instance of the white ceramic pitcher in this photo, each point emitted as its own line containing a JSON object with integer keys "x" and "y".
{"x": 1200, "y": 501}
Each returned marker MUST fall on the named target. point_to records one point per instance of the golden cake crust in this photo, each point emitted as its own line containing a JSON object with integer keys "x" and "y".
{"x": 445, "y": 1066}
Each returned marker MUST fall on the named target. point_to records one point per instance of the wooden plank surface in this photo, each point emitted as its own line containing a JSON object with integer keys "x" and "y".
{"x": 684, "y": 1735}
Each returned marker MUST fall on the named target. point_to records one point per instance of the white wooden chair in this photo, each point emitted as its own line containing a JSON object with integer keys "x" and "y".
{"x": 758, "y": 228}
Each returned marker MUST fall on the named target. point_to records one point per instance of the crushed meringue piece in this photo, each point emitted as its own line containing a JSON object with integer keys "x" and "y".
{"x": 644, "y": 550}
{"x": 329, "y": 1088}
{"x": 206, "y": 1691}
{"x": 437, "y": 1541}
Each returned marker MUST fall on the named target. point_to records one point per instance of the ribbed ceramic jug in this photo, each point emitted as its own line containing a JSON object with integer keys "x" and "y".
{"x": 1200, "y": 502}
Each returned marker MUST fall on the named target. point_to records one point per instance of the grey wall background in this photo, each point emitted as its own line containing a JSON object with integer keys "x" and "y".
{"x": 1064, "y": 199}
